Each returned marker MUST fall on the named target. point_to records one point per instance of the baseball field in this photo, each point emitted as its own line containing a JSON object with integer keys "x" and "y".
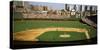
{"x": 48, "y": 30}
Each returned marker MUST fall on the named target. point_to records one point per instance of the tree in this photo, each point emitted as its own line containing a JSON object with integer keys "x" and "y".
{"x": 80, "y": 8}
{"x": 91, "y": 8}
{"x": 75, "y": 7}
{"x": 86, "y": 8}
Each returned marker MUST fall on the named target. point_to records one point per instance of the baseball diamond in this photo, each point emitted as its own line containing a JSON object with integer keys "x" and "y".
{"x": 35, "y": 30}
{"x": 31, "y": 35}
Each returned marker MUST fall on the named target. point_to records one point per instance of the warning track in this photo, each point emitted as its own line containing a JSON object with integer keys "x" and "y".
{"x": 31, "y": 35}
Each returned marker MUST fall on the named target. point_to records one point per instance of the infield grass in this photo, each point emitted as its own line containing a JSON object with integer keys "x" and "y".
{"x": 55, "y": 36}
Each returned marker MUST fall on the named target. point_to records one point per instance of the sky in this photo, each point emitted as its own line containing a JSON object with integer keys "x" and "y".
{"x": 56, "y": 6}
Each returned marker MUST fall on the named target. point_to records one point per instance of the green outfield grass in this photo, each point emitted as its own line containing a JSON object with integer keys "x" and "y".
{"x": 55, "y": 36}
{"x": 31, "y": 24}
